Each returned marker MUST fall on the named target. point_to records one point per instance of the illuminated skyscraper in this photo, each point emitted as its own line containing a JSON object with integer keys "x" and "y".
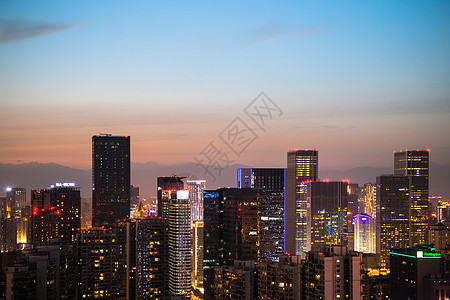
{"x": 327, "y": 217}
{"x": 167, "y": 183}
{"x": 392, "y": 215}
{"x": 365, "y": 233}
{"x": 265, "y": 178}
{"x": 110, "y": 180}
{"x": 231, "y": 230}
{"x": 56, "y": 212}
{"x": 111, "y": 191}
{"x": 13, "y": 219}
{"x": 152, "y": 258}
{"x": 415, "y": 163}
{"x": 302, "y": 166}
{"x": 179, "y": 242}
{"x": 370, "y": 200}
{"x": 97, "y": 264}
{"x": 197, "y": 257}
{"x": 196, "y": 188}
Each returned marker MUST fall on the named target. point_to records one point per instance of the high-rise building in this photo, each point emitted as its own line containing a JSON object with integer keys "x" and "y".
{"x": 415, "y": 163}
{"x": 56, "y": 213}
{"x": 393, "y": 211}
{"x": 17, "y": 200}
{"x": 370, "y": 200}
{"x": 197, "y": 257}
{"x": 280, "y": 280}
{"x": 231, "y": 230}
{"x": 164, "y": 184}
{"x": 271, "y": 211}
{"x": 332, "y": 273}
{"x": 327, "y": 213}
{"x": 179, "y": 243}
{"x": 97, "y": 264}
{"x": 134, "y": 195}
{"x": 265, "y": 178}
{"x": 365, "y": 233}
{"x": 302, "y": 166}
{"x": 213, "y": 250}
{"x": 110, "y": 180}
{"x": 237, "y": 281}
{"x": 111, "y": 191}
{"x": 151, "y": 258}
{"x": 409, "y": 268}
{"x": 196, "y": 188}
{"x": 13, "y": 220}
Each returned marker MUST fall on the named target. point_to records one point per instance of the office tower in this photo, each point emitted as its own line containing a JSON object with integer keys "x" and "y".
{"x": 13, "y": 225}
{"x": 213, "y": 250}
{"x": 196, "y": 188}
{"x": 56, "y": 212}
{"x": 231, "y": 229}
{"x": 302, "y": 166}
{"x": 163, "y": 184}
{"x": 365, "y": 233}
{"x": 332, "y": 273}
{"x": 19, "y": 283}
{"x": 370, "y": 199}
{"x": 415, "y": 163}
{"x": 134, "y": 195}
{"x": 265, "y": 178}
{"x": 110, "y": 179}
{"x": 280, "y": 280}
{"x": 327, "y": 215}
{"x": 179, "y": 242}
{"x": 392, "y": 215}
{"x": 443, "y": 211}
{"x": 151, "y": 258}
{"x": 353, "y": 209}
{"x": 97, "y": 264}
{"x": 237, "y": 281}
{"x": 271, "y": 211}
{"x": 439, "y": 236}
{"x": 197, "y": 257}
{"x": 409, "y": 267}
{"x": 111, "y": 191}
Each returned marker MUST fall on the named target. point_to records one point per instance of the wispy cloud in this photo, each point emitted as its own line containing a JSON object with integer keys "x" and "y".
{"x": 12, "y": 31}
{"x": 270, "y": 32}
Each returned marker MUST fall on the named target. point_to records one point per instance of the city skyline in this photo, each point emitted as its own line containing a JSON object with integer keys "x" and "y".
{"x": 372, "y": 75}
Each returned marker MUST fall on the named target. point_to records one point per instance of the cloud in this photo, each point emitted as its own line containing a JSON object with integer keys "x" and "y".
{"x": 270, "y": 32}
{"x": 12, "y": 31}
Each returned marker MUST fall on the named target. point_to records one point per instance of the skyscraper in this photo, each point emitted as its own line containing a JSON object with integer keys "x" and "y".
{"x": 110, "y": 179}
{"x": 393, "y": 211}
{"x": 365, "y": 233}
{"x": 97, "y": 264}
{"x": 111, "y": 191}
{"x": 152, "y": 258}
{"x": 196, "y": 188}
{"x": 327, "y": 218}
{"x": 265, "y": 178}
{"x": 164, "y": 184}
{"x": 61, "y": 204}
{"x": 302, "y": 166}
{"x": 179, "y": 243}
{"x": 231, "y": 230}
{"x": 415, "y": 163}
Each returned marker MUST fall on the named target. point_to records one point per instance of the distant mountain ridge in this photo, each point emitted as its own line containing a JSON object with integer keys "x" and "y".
{"x": 41, "y": 175}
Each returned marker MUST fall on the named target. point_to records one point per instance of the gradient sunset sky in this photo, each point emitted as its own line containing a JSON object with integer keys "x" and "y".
{"x": 354, "y": 79}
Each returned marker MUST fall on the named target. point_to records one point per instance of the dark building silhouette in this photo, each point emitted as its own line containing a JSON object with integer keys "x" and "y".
{"x": 302, "y": 166}
{"x": 231, "y": 230}
{"x": 415, "y": 163}
{"x": 266, "y": 178}
{"x": 409, "y": 268}
{"x": 110, "y": 180}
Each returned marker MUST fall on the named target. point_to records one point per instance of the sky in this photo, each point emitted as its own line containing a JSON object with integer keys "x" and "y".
{"x": 354, "y": 79}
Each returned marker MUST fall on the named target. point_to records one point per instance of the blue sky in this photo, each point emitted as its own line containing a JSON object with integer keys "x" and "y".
{"x": 372, "y": 77}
